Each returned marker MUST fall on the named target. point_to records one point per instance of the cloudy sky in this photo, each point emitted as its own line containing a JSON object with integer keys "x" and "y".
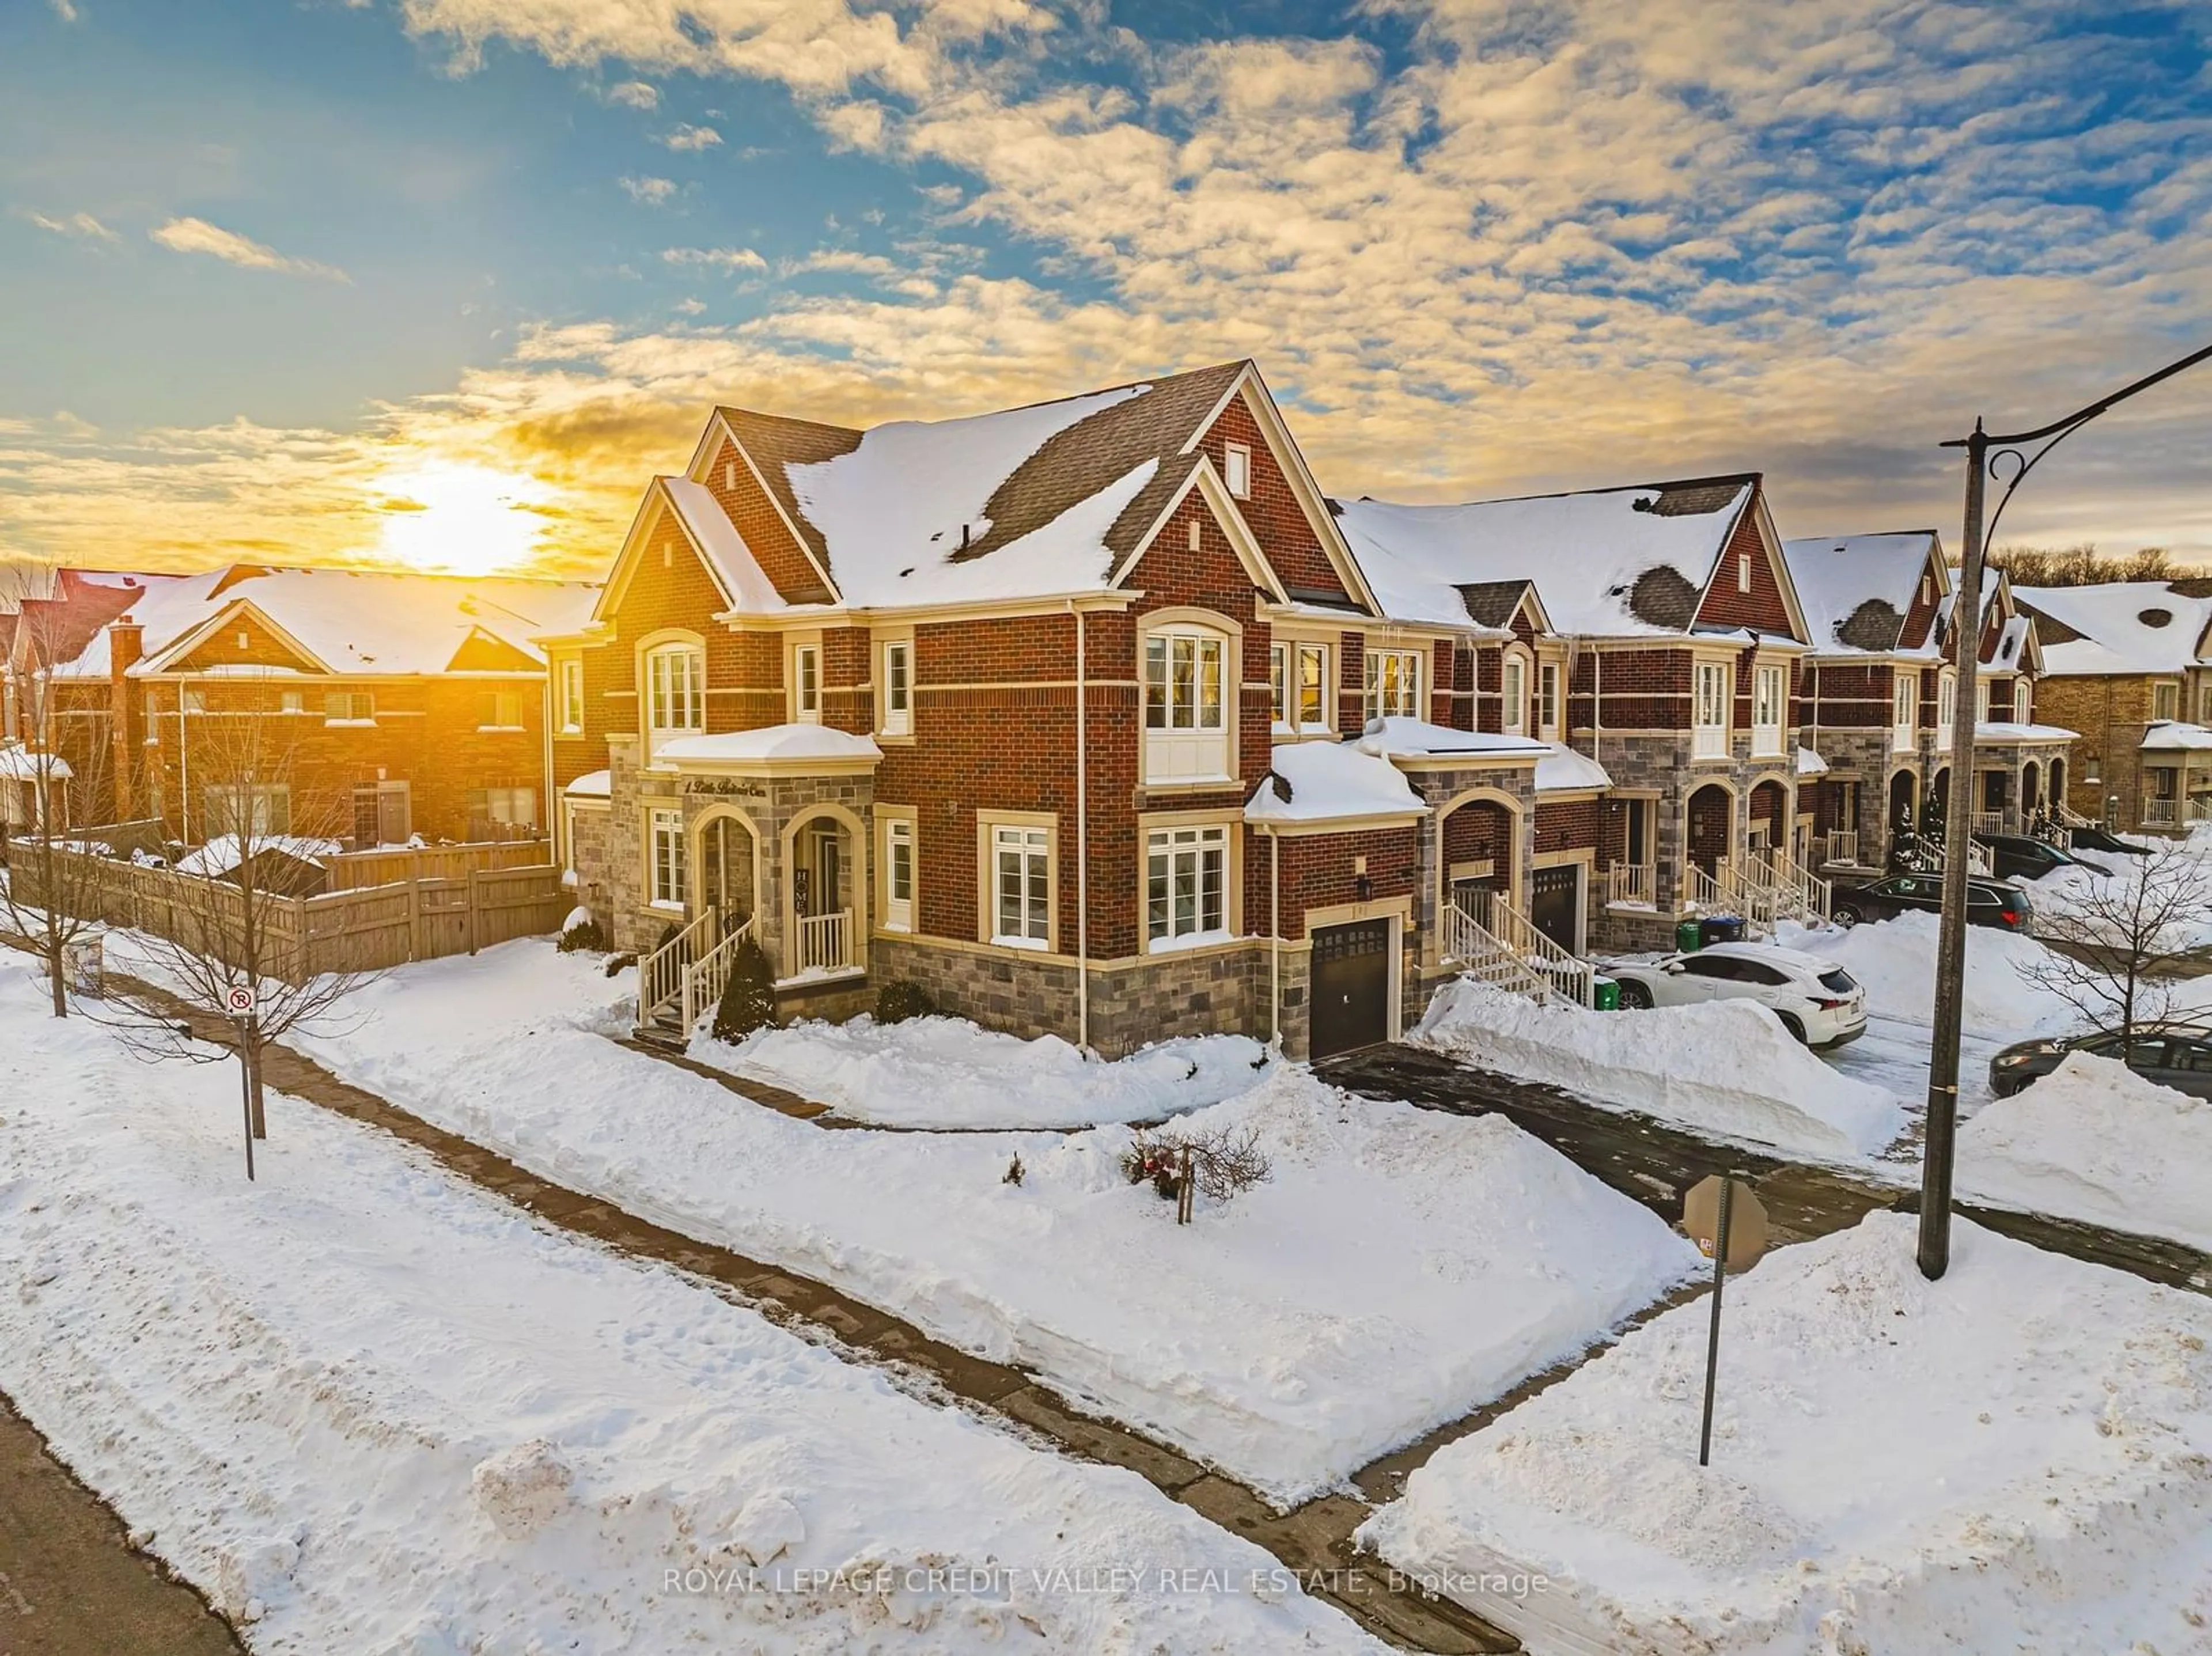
{"x": 445, "y": 280}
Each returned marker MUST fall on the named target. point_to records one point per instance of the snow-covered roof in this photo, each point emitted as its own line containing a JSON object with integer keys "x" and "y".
{"x": 357, "y": 624}
{"x": 1609, "y": 562}
{"x": 2007, "y": 731}
{"x": 1024, "y": 502}
{"x": 20, "y": 764}
{"x": 1400, "y": 737}
{"x": 750, "y": 589}
{"x": 2012, "y": 642}
{"x": 771, "y": 744}
{"x": 221, "y": 855}
{"x": 1810, "y": 763}
{"x": 2168, "y": 734}
{"x": 2117, "y": 629}
{"x": 1562, "y": 770}
{"x": 1325, "y": 781}
{"x": 592, "y": 785}
{"x": 1856, "y": 589}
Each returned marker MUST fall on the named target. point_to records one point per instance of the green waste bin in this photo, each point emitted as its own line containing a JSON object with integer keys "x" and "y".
{"x": 1687, "y": 936}
{"x": 1605, "y": 995}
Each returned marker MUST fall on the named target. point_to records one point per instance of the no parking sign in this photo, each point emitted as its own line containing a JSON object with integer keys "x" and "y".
{"x": 238, "y": 1000}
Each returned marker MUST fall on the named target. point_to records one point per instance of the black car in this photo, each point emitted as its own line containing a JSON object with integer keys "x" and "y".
{"x": 1989, "y": 902}
{"x": 2180, "y": 1059}
{"x": 2021, "y": 857}
{"x": 2097, "y": 838}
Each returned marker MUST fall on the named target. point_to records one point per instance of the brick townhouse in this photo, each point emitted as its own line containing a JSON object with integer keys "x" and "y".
{"x": 401, "y": 705}
{"x": 2128, "y": 665}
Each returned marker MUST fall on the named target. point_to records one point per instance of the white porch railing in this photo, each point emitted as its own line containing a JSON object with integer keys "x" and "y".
{"x": 1505, "y": 948}
{"x": 1843, "y": 847}
{"x": 1632, "y": 885}
{"x": 1986, "y": 822}
{"x": 705, "y": 977}
{"x": 2069, "y": 817}
{"x": 1711, "y": 888}
{"x": 661, "y": 976}
{"x": 2161, "y": 813}
{"x": 1709, "y": 742}
{"x": 1788, "y": 892}
{"x": 824, "y": 943}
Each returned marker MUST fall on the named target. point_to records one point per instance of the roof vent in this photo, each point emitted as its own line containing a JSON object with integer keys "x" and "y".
{"x": 1645, "y": 503}
{"x": 2155, "y": 618}
{"x": 963, "y": 537}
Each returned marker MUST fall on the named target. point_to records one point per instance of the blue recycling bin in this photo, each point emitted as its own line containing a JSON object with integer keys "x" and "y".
{"x": 1720, "y": 928}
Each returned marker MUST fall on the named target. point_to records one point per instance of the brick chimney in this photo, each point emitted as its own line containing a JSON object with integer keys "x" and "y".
{"x": 126, "y": 720}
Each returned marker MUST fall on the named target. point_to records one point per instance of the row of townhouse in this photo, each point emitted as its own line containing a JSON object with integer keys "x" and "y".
{"x": 2129, "y": 666}
{"x": 370, "y": 707}
{"x": 1099, "y": 718}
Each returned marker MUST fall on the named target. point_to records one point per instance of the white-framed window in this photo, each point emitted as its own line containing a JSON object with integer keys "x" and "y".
{"x": 675, "y": 692}
{"x": 292, "y": 702}
{"x": 672, "y": 868}
{"x": 1905, "y": 712}
{"x": 806, "y": 684}
{"x": 1547, "y": 701}
{"x": 254, "y": 810}
{"x": 1186, "y": 886}
{"x": 1394, "y": 685}
{"x": 1743, "y": 572}
{"x": 348, "y": 707}
{"x": 569, "y": 696}
{"x": 1021, "y": 887}
{"x": 194, "y": 701}
{"x": 1709, "y": 739}
{"x": 1767, "y": 706}
{"x": 503, "y": 807}
{"x": 502, "y": 710}
{"x": 1513, "y": 684}
{"x": 1298, "y": 675}
{"x": 1237, "y": 470}
{"x": 2166, "y": 701}
{"x": 1186, "y": 715}
{"x": 1946, "y": 703}
{"x": 898, "y": 687}
{"x": 898, "y": 874}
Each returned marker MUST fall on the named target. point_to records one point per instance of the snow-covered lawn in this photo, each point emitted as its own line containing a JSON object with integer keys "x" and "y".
{"x": 2017, "y": 1458}
{"x": 367, "y": 1408}
{"x": 1896, "y": 961}
{"x": 946, "y": 1072}
{"x": 1727, "y": 1068}
{"x": 1401, "y": 1268}
{"x": 2095, "y": 1141}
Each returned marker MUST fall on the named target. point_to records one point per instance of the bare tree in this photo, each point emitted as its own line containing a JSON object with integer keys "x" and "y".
{"x": 2116, "y": 946}
{"x": 231, "y": 940}
{"x": 2084, "y": 566}
{"x": 55, "y": 765}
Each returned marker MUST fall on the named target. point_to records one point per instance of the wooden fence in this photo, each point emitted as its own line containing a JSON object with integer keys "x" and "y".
{"x": 366, "y": 930}
{"x": 352, "y": 870}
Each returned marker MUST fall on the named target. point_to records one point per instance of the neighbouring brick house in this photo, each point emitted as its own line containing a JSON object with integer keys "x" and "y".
{"x": 407, "y": 705}
{"x": 2129, "y": 665}
{"x": 1654, "y": 650}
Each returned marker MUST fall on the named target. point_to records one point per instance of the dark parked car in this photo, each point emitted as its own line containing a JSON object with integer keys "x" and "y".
{"x": 2097, "y": 838}
{"x": 2019, "y": 856}
{"x": 1989, "y": 902}
{"x": 2180, "y": 1059}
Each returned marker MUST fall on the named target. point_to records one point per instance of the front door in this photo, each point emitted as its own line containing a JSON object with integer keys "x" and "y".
{"x": 1555, "y": 904}
{"x": 1351, "y": 986}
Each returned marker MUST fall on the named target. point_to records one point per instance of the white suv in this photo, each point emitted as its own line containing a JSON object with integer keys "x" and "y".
{"x": 1818, "y": 1001}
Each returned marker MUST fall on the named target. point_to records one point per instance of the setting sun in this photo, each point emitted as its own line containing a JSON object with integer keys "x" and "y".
{"x": 460, "y": 517}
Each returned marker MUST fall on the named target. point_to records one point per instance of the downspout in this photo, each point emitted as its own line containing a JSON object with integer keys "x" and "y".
{"x": 1274, "y": 940}
{"x": 1082, "y": 839}
{"x": 184, "y": 773}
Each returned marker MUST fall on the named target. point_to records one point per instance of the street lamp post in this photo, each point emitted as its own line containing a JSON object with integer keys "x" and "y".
{"x": 1984, "y": 452}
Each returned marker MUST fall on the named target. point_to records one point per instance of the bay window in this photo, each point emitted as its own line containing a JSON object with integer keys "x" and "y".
{"x": 1394, "y": 685}
{"x": 1186, "y": 723}
{"x": 1186, "y": 882}
{"x": 1905, "y": 712}
{"x": 1766, "y": 702}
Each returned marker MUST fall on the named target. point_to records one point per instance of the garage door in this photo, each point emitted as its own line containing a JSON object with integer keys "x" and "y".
{"x": 1555, "y": 902}
{"x": 1351, "y": 986}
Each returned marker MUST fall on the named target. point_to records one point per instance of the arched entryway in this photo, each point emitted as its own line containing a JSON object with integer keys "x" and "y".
{"x": 1709, "y": 818}
{"x": 1767, "y": 817}
{"x": 1906, "y": 826}
{"x": 2058, "y": 784}
{"x": 2031, "y": 791}
{"x": 825, "y": 854}
{"x": 1481, "y": 837}
{"x": 726, "y": 865}
{"x": 1939, "y": 804}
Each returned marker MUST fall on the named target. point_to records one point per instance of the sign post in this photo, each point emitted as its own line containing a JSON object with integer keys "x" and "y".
{"x": 1723, "y": 1217}
{"x": 238, "y": 1000}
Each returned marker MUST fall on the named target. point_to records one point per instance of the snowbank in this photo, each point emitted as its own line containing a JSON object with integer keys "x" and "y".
{"x": 2096, "y": 1141}
{"x": 2018, "y": 1457}
{"x": 946, "y": 1072}
{"x": 1896, "y": 961}
{"x": 367, "y": 1408}
{"x": 1728, "y": 1068}
{"x": 1401, "y": 1268}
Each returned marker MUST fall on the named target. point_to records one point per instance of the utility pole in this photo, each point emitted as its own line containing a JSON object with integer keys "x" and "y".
{"x": 1984, "y": 452}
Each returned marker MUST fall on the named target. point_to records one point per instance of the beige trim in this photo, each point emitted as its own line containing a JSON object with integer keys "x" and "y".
{"x": 1291, "y": 640}
{"x": 640, "y": 650}
{"x": 239, "y": 608}
{"x": 987, "y": 873}
{"x": 1520, "y": 818}
{"x": 885, "y": 815}
{"x": 1398, "y": 911}
{"x": 856, "y": 837}
{"x": 920, "y": 614}
{"x": 1232, "y": 824}
{"x": 696, "y": 833}
{"x": 646, "y": 808}
{"x": 881, "y": 641}
{"x": 1226, "y": 516}
{"x": 1190, "y": 617}
{"x": 792, "y": 644}
{"x": 704, "y": 456}
{"x": 1339, "y": 825}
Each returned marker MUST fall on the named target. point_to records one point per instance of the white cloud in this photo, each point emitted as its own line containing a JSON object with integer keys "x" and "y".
{"x": 634, "y": 94}
{"x": 64, "y": 10}
{"x": 649, "y": 190}
{"x": 723, "y": 258}
{"x": 194, "y": 235}
{"x": 80, "y": 225}
{"x": 686, "y": 136}
{"x": 690, "y": 306}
